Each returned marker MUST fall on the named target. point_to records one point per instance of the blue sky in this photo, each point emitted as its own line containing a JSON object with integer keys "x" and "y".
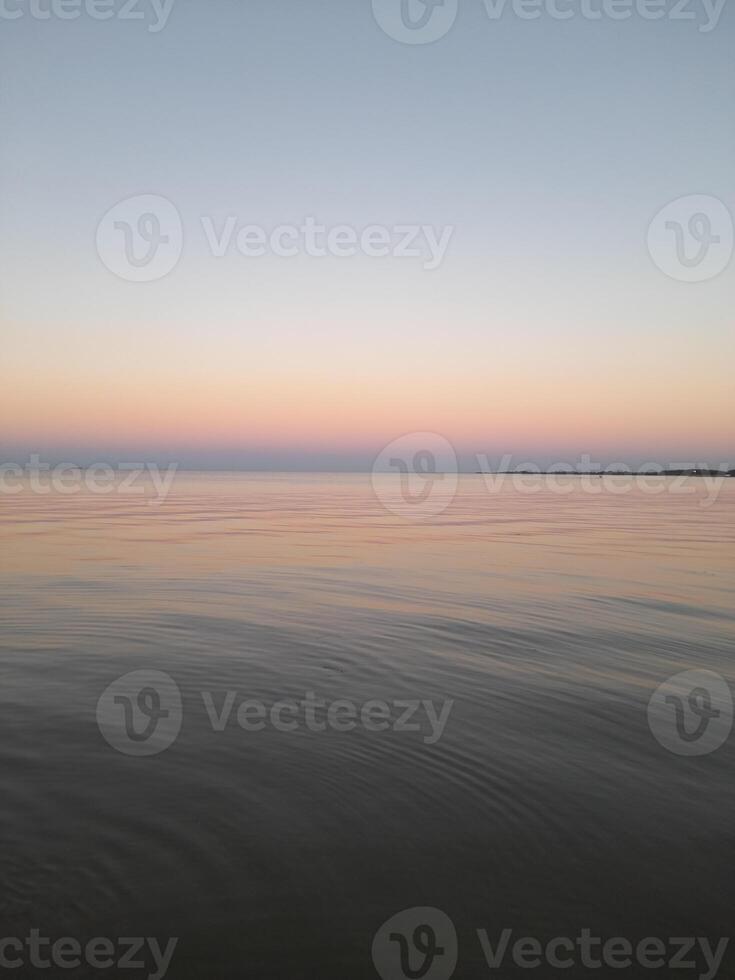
{"x": 548, "y": 146}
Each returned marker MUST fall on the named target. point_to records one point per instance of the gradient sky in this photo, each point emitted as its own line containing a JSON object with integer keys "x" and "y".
{"x": 547, "y": 331}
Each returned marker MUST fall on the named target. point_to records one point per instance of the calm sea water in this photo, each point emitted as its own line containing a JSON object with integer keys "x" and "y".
{"x": 546, "y": 805}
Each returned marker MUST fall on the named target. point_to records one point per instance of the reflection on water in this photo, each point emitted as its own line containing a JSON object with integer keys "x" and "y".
{"x": 546, "y": 806}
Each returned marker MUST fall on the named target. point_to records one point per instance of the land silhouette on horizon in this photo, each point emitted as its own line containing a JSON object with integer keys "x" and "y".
{"x": 689, "y": 471}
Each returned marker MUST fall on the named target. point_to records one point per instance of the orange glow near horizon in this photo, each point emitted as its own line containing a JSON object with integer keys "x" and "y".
{"x": 354, "y": 411}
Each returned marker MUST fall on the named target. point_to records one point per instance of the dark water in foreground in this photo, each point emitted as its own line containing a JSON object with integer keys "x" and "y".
{"x": 545, "y": 806}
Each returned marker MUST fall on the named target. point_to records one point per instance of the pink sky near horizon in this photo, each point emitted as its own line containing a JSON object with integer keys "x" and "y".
{"x": 355, "y": 412}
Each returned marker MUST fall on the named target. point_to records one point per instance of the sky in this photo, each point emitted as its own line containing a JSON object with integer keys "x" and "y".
{"x": 548, "y": 326}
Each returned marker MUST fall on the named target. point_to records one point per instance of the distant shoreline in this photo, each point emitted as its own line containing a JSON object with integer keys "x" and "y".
{"x": 687, "y": 472}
